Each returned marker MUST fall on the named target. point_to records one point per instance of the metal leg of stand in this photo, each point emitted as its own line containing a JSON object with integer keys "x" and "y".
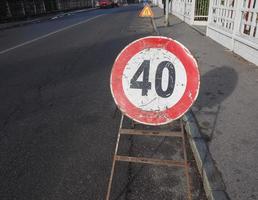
{"x": 189, "y": 194}
{"x": 114, "y": 160}
{"x": 143, "y": 160}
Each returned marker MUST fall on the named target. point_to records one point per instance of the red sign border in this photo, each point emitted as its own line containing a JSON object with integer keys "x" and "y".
{"x": 172, "y": 113}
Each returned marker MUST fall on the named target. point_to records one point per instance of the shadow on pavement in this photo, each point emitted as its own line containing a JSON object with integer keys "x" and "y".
{"x": 216, "y": 85}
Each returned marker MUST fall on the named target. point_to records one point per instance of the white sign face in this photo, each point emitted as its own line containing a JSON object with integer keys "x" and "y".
{"x": 154, "y": 79}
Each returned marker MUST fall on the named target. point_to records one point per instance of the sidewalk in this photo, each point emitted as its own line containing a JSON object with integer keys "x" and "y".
{"x": 226, "y": 109}
{"x": 38, "y": 19}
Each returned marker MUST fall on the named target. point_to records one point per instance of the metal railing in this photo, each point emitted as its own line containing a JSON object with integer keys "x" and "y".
{"x": 241, "y": 19}
{"x": 234, "y": 24}
{"x": 249, "y": 19}
{"x": 223, "y": 14}
{"x": 201, "y": 10}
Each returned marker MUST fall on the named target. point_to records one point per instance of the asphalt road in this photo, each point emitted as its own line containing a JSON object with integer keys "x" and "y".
{"x": 11, "y": 38}
{"x": 57, "y": 124}
{"x": 57, "y": 133}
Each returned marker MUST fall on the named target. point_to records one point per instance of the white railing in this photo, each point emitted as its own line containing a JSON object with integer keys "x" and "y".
{"x": 189, "y": 11}
{"x": 222, "y": 14}
{"x": 234, "y": 24}
{"x": 183, "y": 9}
{"x": 249, "y": 19}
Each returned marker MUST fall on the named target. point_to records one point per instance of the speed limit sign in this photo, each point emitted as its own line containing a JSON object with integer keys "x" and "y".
{"x": 154, "y": 80}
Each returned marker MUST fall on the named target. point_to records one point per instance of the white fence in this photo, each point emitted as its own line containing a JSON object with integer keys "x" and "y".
{"x": 194, "y": 12}
{"x": 234, "y": 24}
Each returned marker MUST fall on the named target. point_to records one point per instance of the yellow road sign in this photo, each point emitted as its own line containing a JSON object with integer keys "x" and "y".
{"x": 146, "y": 12}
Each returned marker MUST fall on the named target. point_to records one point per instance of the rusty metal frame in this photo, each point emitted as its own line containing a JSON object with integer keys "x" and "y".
{"x": 171, "y": 163}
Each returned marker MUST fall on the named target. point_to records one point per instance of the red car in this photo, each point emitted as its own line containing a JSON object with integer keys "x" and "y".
{"x": 107, "y": 3}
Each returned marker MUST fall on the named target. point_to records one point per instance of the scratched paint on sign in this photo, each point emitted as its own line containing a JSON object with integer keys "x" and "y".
{"x": 151, "y": 101}
{"x": 154, "y": 80}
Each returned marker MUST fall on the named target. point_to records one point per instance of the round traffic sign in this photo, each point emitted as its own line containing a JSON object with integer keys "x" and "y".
{"x": 154, "y": 80}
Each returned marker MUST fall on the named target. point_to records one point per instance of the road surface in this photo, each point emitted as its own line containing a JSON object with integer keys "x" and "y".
{"x": 56, "y": 128}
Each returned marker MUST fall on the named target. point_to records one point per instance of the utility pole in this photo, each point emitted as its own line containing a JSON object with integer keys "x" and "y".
{"x": 22, "y": 8}
{"x": 8, "y": 10}
{"x": 166, "y": 16}
{"x": 34, "y": 8}
{"x": 58, "y": 5}
{"x": 44, "y": 7}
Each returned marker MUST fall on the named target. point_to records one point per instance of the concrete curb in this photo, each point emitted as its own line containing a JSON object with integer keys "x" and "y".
{"x": 43, "y": 18}
{"x": 212, "y": 180}
{"x": 154, "y": 26}
{"x": 197, "y": 30}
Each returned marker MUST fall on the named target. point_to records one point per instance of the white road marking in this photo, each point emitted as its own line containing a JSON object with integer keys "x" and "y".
{"x": 49, "y": 34}
{"x": 54, "y": 17}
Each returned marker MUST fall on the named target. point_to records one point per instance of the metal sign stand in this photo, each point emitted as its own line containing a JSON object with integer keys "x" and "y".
{"x": 152, "y": 161}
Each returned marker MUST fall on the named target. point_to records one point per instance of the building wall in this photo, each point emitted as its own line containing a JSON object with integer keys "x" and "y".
{"x": 11, "y": 9}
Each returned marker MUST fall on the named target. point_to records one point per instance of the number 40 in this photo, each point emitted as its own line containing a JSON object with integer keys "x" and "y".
{"x": 145, "y": 85}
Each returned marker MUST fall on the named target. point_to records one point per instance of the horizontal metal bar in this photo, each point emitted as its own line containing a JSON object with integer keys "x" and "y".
{"x": 201, "y": 16}
{"x": 151, "y": 133}
{"x": 152, "y": 161}
{"x": 224, "y": 8}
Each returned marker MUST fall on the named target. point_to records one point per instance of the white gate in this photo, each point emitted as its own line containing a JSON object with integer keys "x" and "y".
{"x": 201, "y": 11}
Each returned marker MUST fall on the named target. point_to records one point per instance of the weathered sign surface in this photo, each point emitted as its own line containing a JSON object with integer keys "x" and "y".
{"x": 154, "y": 80}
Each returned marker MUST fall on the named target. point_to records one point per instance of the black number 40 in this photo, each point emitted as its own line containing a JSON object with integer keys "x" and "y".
{"x": 145, "y": 85}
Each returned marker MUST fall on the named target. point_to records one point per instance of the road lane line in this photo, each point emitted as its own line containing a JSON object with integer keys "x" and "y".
{"x": 49, "y": 34}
